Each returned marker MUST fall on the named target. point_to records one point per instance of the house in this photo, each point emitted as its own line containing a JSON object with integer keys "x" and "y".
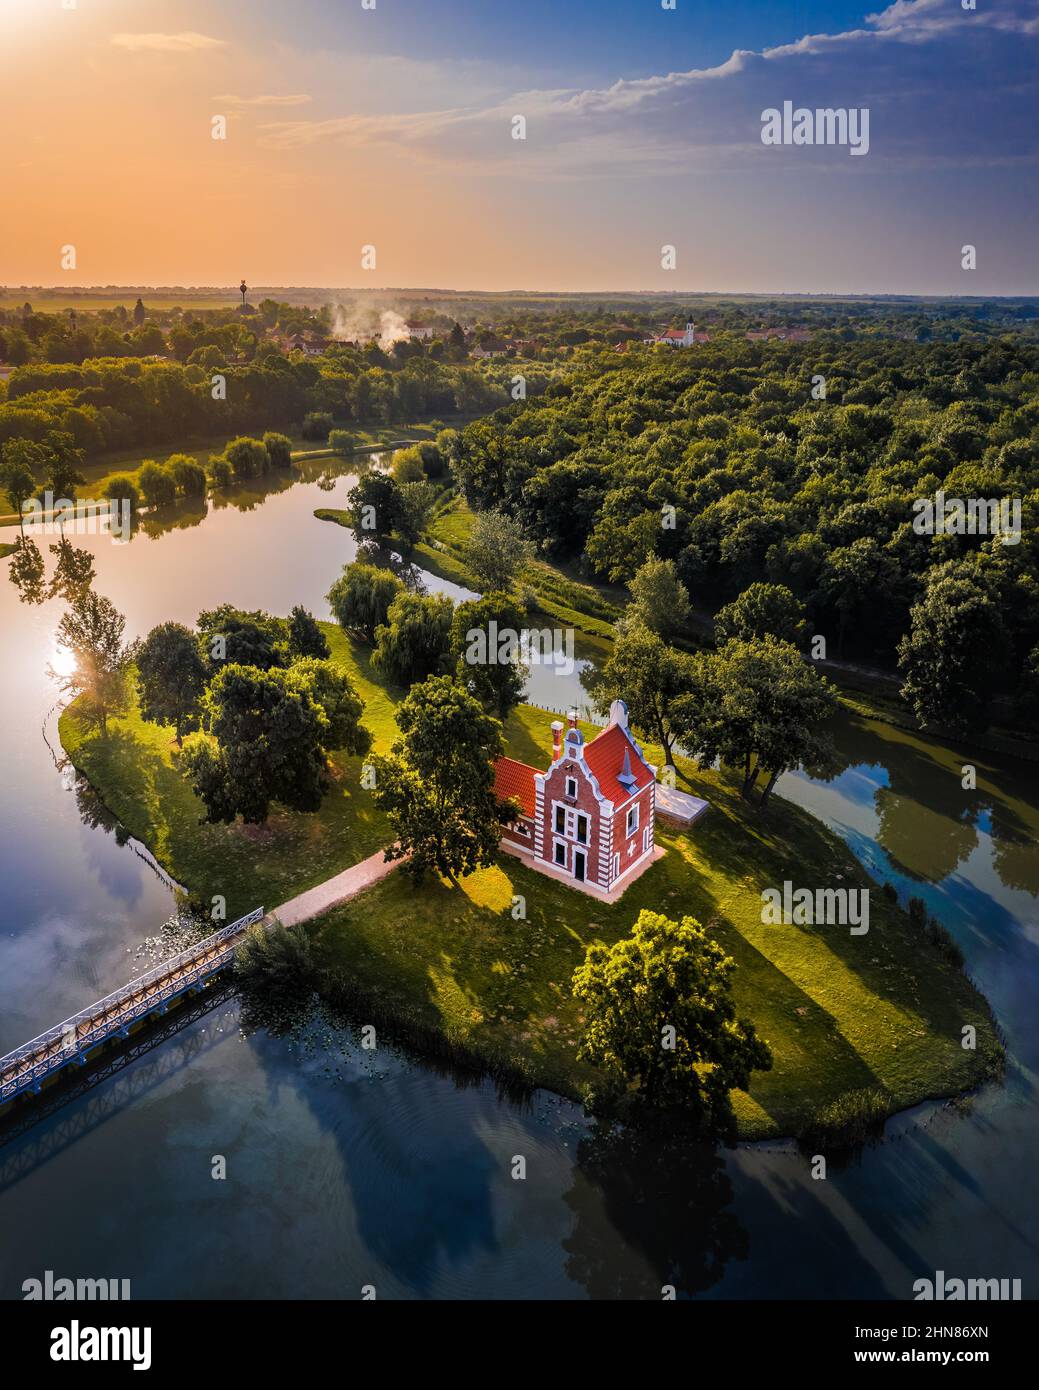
{"x": 420, "y": 330}
{"x": 678, "y": 337}
{"x": 588, "y": 819}
{"x": 311, "y": 346}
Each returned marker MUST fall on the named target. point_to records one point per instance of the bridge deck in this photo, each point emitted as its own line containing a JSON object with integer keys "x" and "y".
{"x": 27, "y": 1067}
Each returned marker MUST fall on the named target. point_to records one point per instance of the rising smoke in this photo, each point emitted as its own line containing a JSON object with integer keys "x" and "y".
{"x": 352, "y": 323}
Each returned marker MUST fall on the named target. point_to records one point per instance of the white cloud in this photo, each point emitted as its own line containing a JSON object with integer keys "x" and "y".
{"x": 916, "y": 67}
{"x": 186, "y": 42}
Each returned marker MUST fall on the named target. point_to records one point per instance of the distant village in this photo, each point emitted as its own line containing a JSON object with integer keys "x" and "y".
{"x": 479, "y": 345}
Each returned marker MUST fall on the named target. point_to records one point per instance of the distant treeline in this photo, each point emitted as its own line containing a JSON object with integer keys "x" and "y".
{"x": 118, "y": 404}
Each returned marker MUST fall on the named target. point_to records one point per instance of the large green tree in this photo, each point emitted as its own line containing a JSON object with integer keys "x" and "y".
{"x": 171, "y": 678}
{"x": 230, "y": 636}
{"x": 265, "y": 744}
{"x": 415, "y": 641}
{"x": 660, "y": 600}
{"x": 279, "y": 449}
{"x": 305, "y": 636}
{"x": 65, "y": 462}
{"x": 956, "y": 652}
{"x": 659, "y": 1016}
{"x": 331, "y": 688}
{"x": 761, "y": 710}
{"x": 650, "y": 676}
{"x": 437, "y": 785}
{"x": 92, "y": 632}
{"x": 762, "y": 609}
{"x": 485, "y": 638}
{"x": 496, "y": 552}
{"x": 19, "y": 461}
{"x": 376, "y": 509}
{"x": 361, "y": 597}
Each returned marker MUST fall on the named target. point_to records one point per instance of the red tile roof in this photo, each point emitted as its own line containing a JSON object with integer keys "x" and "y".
{"x": 605, "y": 757}
{"x": 515, "y": 779}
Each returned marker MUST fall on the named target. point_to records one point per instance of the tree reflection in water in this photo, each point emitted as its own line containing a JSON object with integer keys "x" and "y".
{"x": 665, "y": 1199}
{"x": 25, "y": 571}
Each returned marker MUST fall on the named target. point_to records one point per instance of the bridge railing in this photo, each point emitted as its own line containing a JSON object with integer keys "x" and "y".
{"x": 63, "y": 1043}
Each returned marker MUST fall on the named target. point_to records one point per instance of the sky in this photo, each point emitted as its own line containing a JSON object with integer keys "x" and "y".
{"x": 391, "y": 125}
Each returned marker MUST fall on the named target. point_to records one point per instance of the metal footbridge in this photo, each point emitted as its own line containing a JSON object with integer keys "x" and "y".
{"x": 29, "y": 1067}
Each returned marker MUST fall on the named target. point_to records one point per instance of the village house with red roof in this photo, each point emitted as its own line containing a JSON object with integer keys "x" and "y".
{"x": 589, "y": 818}
{"x": 678, "y": 337}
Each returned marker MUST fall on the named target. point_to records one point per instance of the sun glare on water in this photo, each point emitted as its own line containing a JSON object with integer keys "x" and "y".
{"x": 62, "y": 662}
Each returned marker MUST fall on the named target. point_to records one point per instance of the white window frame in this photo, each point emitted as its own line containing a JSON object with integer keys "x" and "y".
{"x": 557, "y": 845}
{"x": 571, "y": 782}
{"x": 571, "y": 819}
{"x": 630, "y": 825}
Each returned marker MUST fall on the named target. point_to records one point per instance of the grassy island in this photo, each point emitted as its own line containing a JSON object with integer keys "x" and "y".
{"x": 843, "y": 1014}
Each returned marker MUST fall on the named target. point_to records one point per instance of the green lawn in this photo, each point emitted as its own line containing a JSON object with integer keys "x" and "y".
{"x": 573, "y": 602}
{"x": 6, "y": 550}
{"x": 842, "y": 1013}
{"x": 251, "y": 866}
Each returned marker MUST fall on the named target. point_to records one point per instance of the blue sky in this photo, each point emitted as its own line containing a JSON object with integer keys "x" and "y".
{"x": 393, "y": 127}
{"x": 580, "y": 40}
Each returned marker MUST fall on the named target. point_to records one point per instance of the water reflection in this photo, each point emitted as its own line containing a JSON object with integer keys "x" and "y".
{"x": 26, "y": 570}
{"x": 927, "y": 823}
{"x": 666, "y": 1200}
{"x": 73, "y": 572}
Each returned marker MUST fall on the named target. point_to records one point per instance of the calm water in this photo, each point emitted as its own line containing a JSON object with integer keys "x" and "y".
{"x": 344, "y": 1170}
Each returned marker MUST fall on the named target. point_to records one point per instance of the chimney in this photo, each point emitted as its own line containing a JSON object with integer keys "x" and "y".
{"x": 572, "y": 718}
{"x": 557, "y": 739}
{"x": 619, "y": 713}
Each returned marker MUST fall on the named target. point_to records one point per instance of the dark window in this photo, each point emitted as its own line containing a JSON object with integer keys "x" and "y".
{"x": 560, "y": 854}
{"x": 560, "y": 820}
{"x": 582, "y": 830}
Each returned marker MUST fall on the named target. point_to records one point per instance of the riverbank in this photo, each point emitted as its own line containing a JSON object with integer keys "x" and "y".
{"x": 879, "y": 1013}
{"x": 98, "y": 473}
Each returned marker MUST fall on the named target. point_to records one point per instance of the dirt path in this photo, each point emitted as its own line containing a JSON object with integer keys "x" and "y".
{"x": 335, "y": 890}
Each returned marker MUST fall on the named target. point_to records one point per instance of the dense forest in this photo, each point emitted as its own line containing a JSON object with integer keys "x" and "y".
{"x": 112, "y": 403}
{"x": 789, "y": 464}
